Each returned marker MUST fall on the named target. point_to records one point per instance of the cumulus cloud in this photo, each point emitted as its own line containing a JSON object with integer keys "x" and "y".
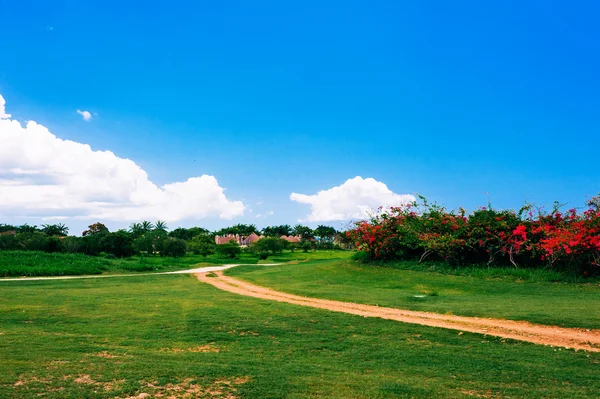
{"x": 42, "y": 175}
{"x": 354, "y": 199}
{"x": 86, "y": 115}
{"x": 3, "y": 114}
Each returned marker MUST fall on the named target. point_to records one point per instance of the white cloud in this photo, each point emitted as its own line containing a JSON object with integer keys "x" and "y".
{"x": 266, "y": 214}
{"x": 354, "y": 199}
{"x": 85, "y": 115}
{"x": 42, "y": 175}
{"x": 3, "y": 114}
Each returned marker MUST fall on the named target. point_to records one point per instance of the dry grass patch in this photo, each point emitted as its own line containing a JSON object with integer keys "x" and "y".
{"x": 188, "y": 389}
{"x": 208, "y": 348}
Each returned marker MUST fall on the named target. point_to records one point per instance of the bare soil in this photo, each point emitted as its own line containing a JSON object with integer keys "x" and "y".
{"x": 575, "y": 338}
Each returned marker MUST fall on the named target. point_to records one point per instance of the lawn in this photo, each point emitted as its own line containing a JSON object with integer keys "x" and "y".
{"x": 564, "y": 304}
{"x": 33, "y": 263}
{"x": 173, "y": 335}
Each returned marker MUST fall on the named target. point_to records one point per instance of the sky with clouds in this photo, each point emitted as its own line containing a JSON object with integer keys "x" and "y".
{"x": 213, "y": 114}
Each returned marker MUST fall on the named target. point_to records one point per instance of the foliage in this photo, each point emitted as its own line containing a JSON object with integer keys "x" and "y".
{"x": 36, "y": 241}
{"x": 187, "y": 234}
{"x": 36, "y": 263}
{"x": 229, "y": 250}
{"x": 202, "y": 244}
{"x": 277, "y": 231}
{"x": 151, "y": 242}
{"x": 241, "y": 229}
{"x": 96, "y": 228}
{"x": 325, "y": 233}
{"x": 119, "y": 244}
{"x": 305, "y": 246}
{"x": 267, "y": 246}
{"x": 305, "y": 232}
{"x": 529, "y": 237}
{"x": 55, "y": 230}
{"x": 173, "y": 247}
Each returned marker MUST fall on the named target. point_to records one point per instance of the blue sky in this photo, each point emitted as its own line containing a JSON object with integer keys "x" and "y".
{"x": 448, "y": 99}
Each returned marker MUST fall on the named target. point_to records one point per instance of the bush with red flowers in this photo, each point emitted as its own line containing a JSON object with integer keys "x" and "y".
{"x": 527, "y": 238}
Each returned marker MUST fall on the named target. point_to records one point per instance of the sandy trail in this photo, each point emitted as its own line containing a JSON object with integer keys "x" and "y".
{"x": 204, "y": 269}
{"x": 575, "y": 338}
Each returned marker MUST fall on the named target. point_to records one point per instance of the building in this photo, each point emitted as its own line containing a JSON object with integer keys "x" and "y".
{"x": 291, "y": 238}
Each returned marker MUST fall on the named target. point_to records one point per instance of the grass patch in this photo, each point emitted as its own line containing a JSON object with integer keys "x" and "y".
{"x": 171, "y": 335}
{"x": 564, "y": 304}
{"x": 34, "y": 263}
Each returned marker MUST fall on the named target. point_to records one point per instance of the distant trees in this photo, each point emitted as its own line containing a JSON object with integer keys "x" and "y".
{"x": 305, "y": 232}
{"x": 96, "y": 228}
{"x": 325, "y": 233}
{"x": 277, "y": 231}
{"x": 229, "y": 250}
{"x": 267, "y": 246}
{"x": 241, "y": 229}
{"x": 119, "y": 243}
{"x": 202, "y": 244}
{"x": 55, "y": 230}
{"x": 173, "y": 247}
{"x": 160, "y": 225}
{"x": 153, "y": 239}
{"x": 188, "y": 234}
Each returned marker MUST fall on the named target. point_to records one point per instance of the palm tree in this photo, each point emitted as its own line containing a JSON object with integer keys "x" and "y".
{"x": 55, "y": 229}
{"x": 160, "y": 225}
{"x": 146, "y": 226}
{"x": 136, "y": 229}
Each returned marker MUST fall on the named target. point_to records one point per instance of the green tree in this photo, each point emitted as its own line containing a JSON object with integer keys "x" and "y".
{"x": 55, "y": 230}
{"x": 202, "y": 244}
{"x": 5, "y": 228}
{"x": 305, "y": 232}
{"x": 146, "y": 226}
{"x": 161, "y": 225}
{"x": 277, "y": 231}
{"x": 151, "y": 242}
{"x": 267, "y": 246}
{"x": 25, "y": 228}
{"x": 325, "y": 233}
{"x": 96, "y": 228}
{"x": 136, "y": 230}
{"x": 187, "y": 234}
{"x": 241, "y": 229}
{"x": 229, "y": 250}
{"x": 119, "y": 243}
{"x": 173, "y": 247}
{"x": 36, "y": 241}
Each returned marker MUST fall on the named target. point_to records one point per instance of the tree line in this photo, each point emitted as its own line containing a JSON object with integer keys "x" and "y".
{"x": 149, "y": 238}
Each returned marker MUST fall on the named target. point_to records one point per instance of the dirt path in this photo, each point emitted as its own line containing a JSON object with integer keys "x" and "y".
{"x": 575, "y": 338}
{"x": 204, "y": 269}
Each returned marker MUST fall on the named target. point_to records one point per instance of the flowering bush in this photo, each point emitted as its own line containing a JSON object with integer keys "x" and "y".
{"x": 529, "y": 237}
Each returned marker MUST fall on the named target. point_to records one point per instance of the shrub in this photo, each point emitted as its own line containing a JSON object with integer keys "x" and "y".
{"x": 229, "y": 250}
{"x": 528, "y": 237}
{"x": 202, "y": 244}
{"x": 173, "y": 247}
{"x": 119, "y": 244}
{"x": 267, "y": 246}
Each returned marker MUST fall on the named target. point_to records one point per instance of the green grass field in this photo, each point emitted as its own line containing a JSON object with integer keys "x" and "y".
{"x": 564, "y": 304}
{"x": 172, "y": 335}
{"x": 32, "y": 263}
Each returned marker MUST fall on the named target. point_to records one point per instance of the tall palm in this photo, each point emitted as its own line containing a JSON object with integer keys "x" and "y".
{"x": 136, "y": 229}
{"x": 147, "y": 226}
{"x": 55, "y": 229}
{"x": 160, "y": 225}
